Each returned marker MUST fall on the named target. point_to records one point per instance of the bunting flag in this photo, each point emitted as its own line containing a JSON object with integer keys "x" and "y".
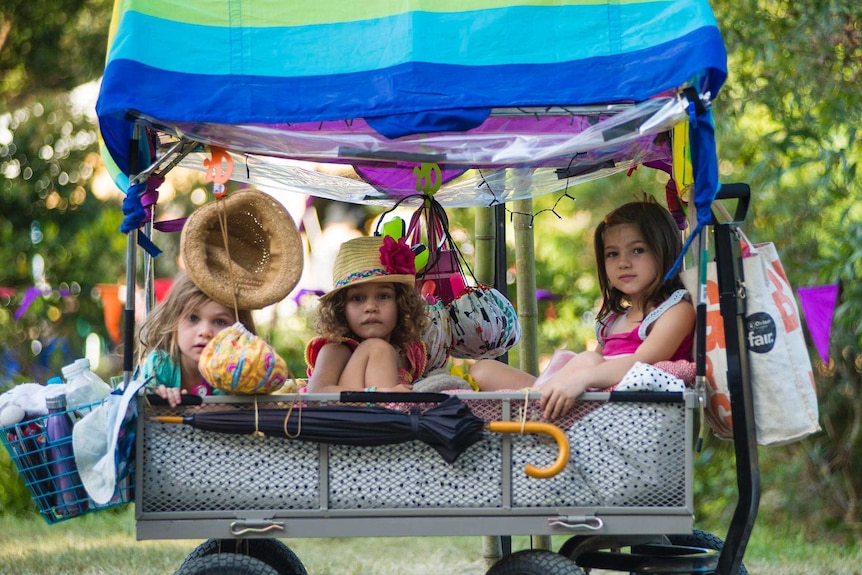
{"x": 30, "y": 295}
{"x": 112, "y": 309}
{"x": 818, "y": 308}
{"x": 161, "y": 287}
{"x": 112, "y": 306}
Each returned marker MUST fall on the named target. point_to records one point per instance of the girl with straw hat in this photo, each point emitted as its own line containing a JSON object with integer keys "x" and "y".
{"x": 369, "y": 326}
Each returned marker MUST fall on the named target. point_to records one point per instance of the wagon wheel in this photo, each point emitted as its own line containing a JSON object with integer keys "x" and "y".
{"x": 226, "y": 564}
{"x": 704, "y": 539}
{"x": 271, "y": 551}
{"x": 535, "y": 562}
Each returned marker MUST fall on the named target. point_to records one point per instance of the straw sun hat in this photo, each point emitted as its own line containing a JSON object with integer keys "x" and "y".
{"x": 372, "y": 259}
{"x": 263, "y": 259}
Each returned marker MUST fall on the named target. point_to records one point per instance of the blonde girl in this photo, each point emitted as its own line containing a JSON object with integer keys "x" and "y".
{"x": 174, "y": 335}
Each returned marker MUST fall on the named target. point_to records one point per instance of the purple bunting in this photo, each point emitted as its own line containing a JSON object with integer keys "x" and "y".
{"x": 546, "y": 295}
{"x": 30, "y": 296}
{"x": 818, "y": 307}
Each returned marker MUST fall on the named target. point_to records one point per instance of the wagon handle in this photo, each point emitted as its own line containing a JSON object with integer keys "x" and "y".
{"x": 537, "y": 427}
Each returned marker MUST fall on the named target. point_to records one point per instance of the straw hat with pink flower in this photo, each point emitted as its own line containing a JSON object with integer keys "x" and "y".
{"x": 373, "y": 259}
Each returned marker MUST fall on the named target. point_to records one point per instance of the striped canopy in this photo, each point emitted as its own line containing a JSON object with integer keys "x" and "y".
{"x": 507, "y": 99}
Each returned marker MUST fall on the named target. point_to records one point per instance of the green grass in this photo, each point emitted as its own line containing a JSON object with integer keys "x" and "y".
{"x": 105, "y": 542}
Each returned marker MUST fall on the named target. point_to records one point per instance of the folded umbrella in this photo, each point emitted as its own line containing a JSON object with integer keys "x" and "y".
{"x": 449, "y": 427}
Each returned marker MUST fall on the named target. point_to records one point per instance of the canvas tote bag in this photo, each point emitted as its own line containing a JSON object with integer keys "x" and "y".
{"x": 785, "y": 399}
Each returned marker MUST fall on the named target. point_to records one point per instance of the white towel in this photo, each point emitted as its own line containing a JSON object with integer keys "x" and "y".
{"x": 94, "y": 442}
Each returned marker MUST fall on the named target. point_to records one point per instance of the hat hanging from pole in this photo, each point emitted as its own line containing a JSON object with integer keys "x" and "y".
{"x": 263, "y": 259}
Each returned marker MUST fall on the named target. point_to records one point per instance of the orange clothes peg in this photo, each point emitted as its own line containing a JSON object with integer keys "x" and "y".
{"x": 219, "y": 169}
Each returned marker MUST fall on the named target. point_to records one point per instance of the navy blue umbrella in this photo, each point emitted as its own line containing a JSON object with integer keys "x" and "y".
{"x": 449, "y": 427}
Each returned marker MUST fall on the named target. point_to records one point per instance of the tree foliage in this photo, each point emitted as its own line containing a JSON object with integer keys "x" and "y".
{"x": 50, "y": 46}
{"x": 57, "y": 237}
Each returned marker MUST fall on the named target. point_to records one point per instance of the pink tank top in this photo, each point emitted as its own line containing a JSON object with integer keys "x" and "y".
{"x": 628, "y": 343}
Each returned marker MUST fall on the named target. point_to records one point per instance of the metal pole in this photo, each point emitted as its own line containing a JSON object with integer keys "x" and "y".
{"x": 525, "y": 273}
{"x": 492, "y": 550}
{"x": 489, "y": 252}
{"x": 131, "y": 268}
{"x": 730, "y": 278}
{"x": 528, "y": 308}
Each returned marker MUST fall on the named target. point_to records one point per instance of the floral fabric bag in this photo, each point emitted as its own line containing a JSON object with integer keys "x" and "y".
{"x": 236, "y": 361}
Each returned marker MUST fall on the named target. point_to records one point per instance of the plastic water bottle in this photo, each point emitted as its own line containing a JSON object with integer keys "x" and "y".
{"x": 69, "y": 497}
{"x": 83, "y": 387}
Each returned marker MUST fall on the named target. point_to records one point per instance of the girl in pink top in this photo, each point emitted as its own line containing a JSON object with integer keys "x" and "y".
{"x": 643, "y": 318}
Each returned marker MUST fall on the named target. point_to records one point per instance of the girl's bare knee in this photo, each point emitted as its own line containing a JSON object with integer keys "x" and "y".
{"x": 376, "y": 347}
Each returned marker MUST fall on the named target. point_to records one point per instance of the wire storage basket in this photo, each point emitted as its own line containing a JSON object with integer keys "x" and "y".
{"x": 49, "y": 471}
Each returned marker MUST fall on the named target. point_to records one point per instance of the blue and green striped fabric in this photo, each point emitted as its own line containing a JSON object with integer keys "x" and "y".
{"x": 277, "y": 62}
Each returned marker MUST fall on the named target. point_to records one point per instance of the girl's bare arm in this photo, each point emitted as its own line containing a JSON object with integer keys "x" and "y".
{"x": 665, "y": 337}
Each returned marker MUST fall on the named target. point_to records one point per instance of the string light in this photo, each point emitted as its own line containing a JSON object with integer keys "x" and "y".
{"x": 532, "y": 216}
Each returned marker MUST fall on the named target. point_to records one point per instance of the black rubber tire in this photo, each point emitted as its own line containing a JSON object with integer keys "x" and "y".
{"x": 271, "y": 551}
{"x": 704, "y": 539}
{"x": 568, "y": 548}
{"x": 225, "y": 564}
{"x": 535, "y": 562}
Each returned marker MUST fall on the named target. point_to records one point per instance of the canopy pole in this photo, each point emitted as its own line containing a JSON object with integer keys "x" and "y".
{"x": 525, "y": 273}
{"x": 492, "y": 550}
{"x": 528, "y": 308}
{"x": 485, "y": 246}
{"x": 485, "y": 239}
{"x": 131, "y": 267}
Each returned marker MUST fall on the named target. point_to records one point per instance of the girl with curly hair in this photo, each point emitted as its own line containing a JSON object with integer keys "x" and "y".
{"x": 370, "y": 325}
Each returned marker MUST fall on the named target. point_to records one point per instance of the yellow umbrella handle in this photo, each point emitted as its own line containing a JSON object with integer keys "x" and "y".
{"x": 167, "y": 418}
{"x": 537, "y": 427}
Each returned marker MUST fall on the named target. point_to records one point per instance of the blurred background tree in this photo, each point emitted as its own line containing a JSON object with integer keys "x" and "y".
{"x": 787, "y": 122}
{"x": 57, "y": 237}
{"x": 50, "y": 47}
{"x": 789, "y": 125}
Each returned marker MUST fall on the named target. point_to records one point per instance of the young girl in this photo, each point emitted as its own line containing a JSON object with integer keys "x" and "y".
{"x": 643, "y": 317}
{"x": 174, "y": 335}
{"x": 369, "y": 326}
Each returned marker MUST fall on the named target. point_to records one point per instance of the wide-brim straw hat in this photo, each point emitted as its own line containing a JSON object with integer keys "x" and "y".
{"x": 264, "y": 256}
{"x": 361, "y": 260}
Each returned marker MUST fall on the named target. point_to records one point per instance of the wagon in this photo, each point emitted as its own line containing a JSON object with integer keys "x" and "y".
{"x": 483, "y": 103}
